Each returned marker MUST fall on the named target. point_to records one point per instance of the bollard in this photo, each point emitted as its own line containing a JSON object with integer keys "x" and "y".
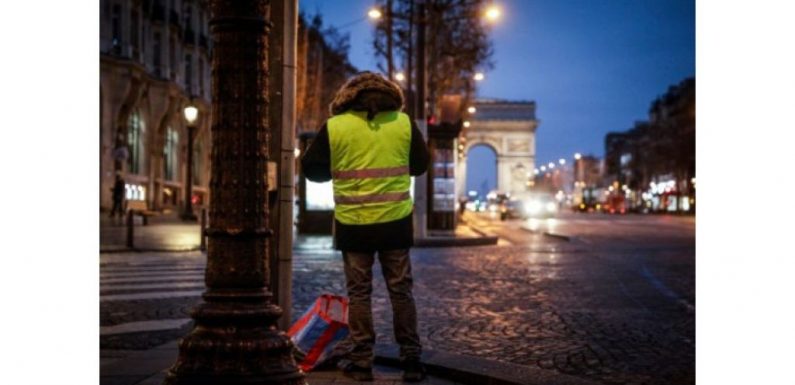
{"x": 202, "y": 236}
{"x": 130, "y": 224}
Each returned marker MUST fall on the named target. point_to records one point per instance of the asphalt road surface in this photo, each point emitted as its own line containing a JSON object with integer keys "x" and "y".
{"x": 607, "y": 298}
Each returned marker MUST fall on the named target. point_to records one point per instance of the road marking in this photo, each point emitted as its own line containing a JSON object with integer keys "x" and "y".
{"x": 168, "y": 285}
{"x": 164, "y": 268}
{"x": 144, "y": 274}
{"x": 150, "y": 295}
{"x": 665, "y": 290}
{"x": 144, "y": 326}
{"x": 149, "y": 278}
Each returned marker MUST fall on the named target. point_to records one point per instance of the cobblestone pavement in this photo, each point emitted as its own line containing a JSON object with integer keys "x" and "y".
{"x": 619, "y": 315}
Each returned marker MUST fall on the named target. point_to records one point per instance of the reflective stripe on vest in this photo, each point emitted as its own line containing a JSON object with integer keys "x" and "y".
{"x": 372, "y": 198}
{"x": 369, "y": 166}
{"x": 371, "y": 173}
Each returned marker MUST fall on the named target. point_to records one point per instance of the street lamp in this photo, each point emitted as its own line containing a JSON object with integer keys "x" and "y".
{"x": 400, "y": 76}
{"x": 577, "y": 155}
{"x": 191, "y": 114}
{"x": 479, "y": 76}
{"x": 471, "y": 109}
{"x": 374, "y": 14}
{"x": 493, "y": 13}
{"x": 562, "y": 161}
{"x": 467, "y": 124}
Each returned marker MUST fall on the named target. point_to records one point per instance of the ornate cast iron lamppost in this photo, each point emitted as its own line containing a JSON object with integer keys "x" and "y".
{"x": 235, "y": 340}
{"x": 191, "y": 114}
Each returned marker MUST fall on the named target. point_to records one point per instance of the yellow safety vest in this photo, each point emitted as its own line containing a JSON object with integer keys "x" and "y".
{"x": 370, "y": 166}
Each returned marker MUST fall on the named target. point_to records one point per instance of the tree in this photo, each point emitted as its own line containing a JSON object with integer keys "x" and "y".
{"x": 457, "y": 44}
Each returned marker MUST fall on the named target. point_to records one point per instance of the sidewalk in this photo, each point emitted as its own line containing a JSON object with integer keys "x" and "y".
{"x": 168, "y": 232}
{"x": 164, "y": 232}
{"x": 149, "y": 367}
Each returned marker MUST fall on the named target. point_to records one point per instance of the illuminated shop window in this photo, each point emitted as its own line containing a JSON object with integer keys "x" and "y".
{"x": 134, "y": 192}
{"x": 319, "y": 196}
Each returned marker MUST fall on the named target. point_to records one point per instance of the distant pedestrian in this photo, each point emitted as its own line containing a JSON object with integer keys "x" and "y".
{"x": 118, "y": 197}
{"x": 369, "y": 149}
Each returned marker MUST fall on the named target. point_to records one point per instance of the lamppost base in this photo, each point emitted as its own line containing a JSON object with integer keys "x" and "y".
{"x": 235, "y": 342}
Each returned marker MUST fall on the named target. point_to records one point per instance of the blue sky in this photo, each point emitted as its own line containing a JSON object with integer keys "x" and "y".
{"x": 592, "y": 66}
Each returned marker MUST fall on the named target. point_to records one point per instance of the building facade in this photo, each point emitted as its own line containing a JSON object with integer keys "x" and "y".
{"x": 154, "y": 61}
{"x": 656, "y": 159}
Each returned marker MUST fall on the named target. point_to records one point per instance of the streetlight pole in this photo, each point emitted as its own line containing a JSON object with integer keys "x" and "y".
{"x": 389, "y": 60}
{"x": 191, "y": 113}
{"x": 235, "y": 339}
{"x": 421, "y": 182}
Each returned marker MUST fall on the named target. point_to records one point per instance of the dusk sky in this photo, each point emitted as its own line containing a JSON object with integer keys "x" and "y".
{"x": 592, "y": 66}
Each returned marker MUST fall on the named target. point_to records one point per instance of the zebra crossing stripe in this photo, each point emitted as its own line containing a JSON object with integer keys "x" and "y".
{"x": 150, "y": 286}
{"x": 150, "y": 295}
{"x": 143, "y": 326}
{"x": 150, "y": 279}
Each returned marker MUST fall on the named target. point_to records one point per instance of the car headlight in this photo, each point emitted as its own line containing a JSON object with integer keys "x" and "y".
{"x": 533, "y": 207}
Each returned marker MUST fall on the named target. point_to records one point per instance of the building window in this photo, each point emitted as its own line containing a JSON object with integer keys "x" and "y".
{"x": 187, "y": 16}
{"x": 189, "y": 73}
{"x": 135, "y": 34}
{"x": 156, "y": 60}
{"x": 115, "y": 22}
{"x": 201, "y": 76}
{"x": 172, "y": 58}
{"x": 135, "y": 142}
{"x": 171, "y": 154}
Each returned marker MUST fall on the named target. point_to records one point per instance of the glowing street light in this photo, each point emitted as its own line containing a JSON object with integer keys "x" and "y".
{"x": 471, "y": 109}
{"x": 551, "y": 165}
{"x": 493, "y": 13}
{"x": 479, "y": 76}
{"x": 543, "y": 168}
{"x": 191, "y": 113}
{"x": 562, "y": 161}
{"x": 400, "y": 76}
{"x": 374, "y": 13}
{"x": 467, "y": 124}
{"x": 577, "y": 156}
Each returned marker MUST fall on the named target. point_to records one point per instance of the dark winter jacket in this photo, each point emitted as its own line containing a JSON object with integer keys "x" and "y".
{"x": 372, "y": 93}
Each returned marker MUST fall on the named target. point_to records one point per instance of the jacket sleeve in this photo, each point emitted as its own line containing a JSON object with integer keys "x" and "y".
{"x": 418, "y": 155}
{"x": 316, "y": 161}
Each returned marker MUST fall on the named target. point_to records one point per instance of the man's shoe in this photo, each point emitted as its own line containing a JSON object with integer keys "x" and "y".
{"x": 413, "y": 371}
{"x": 358, "y": 373}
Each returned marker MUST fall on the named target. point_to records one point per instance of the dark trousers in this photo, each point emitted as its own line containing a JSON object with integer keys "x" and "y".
{"x": 117, "y": 207}
{"x": 396, "y": 267}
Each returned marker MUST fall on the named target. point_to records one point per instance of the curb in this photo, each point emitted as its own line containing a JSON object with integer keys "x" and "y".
{"x": 146, "y": 250}
{"x": 454, "y": 242}
{"x": 472, "y": 370}
{"x": 547, "y": 233}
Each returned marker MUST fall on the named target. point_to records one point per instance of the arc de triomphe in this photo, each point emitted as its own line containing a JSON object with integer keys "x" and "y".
{"x": 509, "y": 128}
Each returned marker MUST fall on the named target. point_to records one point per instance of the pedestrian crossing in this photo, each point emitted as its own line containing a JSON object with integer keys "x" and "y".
{"x": 148, "y": 282}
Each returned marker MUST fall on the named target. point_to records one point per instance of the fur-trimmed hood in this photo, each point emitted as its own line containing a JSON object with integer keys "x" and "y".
{"x": 367, "y": 91}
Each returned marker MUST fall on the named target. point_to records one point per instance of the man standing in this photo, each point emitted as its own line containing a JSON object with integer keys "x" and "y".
{"x": 369, "y": 149}
{"x": 118, "y": 197}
